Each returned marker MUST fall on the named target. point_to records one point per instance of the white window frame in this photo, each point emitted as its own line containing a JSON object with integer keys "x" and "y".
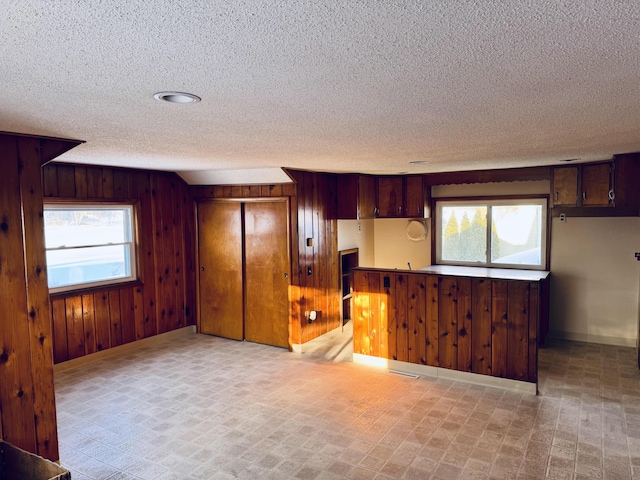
{"x": 543, "y": 202}
{"x": 131, "y": 244}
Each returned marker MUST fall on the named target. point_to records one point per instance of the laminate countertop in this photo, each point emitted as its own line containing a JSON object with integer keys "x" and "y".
{"x": 475, "y": 272}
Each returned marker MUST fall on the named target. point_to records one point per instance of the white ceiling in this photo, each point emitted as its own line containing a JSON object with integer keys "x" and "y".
{"x": 331, "y": 85}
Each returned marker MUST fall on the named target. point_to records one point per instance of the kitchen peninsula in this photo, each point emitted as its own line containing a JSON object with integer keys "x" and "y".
{"x": 476, "y": 324}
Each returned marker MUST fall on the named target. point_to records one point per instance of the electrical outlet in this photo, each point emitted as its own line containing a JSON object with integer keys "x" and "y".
{"x": 563, "y": 218}
{"x": 637, "y": 255}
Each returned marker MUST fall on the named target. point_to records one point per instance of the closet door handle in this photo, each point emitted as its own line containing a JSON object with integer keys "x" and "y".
{"x": 286, "y": 275}
{"x": 202, "y": 269}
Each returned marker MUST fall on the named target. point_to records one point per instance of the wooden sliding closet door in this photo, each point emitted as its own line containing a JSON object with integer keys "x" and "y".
{"x": 220, "y": 250}
{"x": 267, "y": 273}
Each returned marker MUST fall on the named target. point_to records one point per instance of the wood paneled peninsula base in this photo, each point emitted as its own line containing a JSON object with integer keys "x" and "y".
{"x": 481, "y": 325}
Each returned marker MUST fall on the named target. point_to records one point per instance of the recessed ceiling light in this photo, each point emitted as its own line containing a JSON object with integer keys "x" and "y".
{"x": 176, "y": 97}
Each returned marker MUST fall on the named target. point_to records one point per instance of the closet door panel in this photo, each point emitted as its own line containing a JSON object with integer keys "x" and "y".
{"x": 220, "y": 251}
{"x": 267, "y": 273}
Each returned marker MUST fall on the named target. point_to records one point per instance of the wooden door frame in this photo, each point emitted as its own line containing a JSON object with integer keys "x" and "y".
{"x": 242, "y": 200}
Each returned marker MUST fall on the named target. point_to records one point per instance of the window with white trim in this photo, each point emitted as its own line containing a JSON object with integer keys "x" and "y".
{"x": 505, "y": 233}
{"x": 89, "y": 245}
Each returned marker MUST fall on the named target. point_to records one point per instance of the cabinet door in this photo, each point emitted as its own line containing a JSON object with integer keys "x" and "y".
{"x": 565, "y": 186}
{"x": 390, "y": 197}
{"x": 347, "y": 196}
{"x": 414, "y": 207}
{"x": 366, "y": 197}
{"x": 596, "y": 183}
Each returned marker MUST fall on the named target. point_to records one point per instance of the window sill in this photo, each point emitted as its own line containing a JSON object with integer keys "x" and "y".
{"x": 97, "y": 289}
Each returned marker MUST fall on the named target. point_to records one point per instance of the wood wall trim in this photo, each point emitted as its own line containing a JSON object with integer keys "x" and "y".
{"x": 488, "y": 176}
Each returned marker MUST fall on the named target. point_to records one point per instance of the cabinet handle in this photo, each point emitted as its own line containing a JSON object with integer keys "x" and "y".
{"x": 400, "y": 209}
{"x": 555, "y": 197}
{"x": 584, "y": 195}
{"x": 612, "y": 195}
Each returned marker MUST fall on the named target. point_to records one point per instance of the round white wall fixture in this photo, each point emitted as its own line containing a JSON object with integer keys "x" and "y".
{"x": 417, "y": 230}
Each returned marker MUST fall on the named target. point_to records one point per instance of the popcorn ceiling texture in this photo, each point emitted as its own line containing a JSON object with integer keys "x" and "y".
{"x": 333, "y": 85}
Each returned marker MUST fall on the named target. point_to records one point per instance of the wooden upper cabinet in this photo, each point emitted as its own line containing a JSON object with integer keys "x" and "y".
{"x": 587, "y": 185}
{"x": 565, "y": 186}
{"x": 356, "y": 196}
{"x": 390, "y": 197}
{"x": 366, "y": 196}
{"x": 596, "y": 184}
{"x": 626, "y": 193}
{"x": 415, "y": 197}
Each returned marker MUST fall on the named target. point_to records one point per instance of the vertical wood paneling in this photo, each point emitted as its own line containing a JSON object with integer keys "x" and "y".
{"x": 534, "y": 314}
{"x": 384, "y": 319}
{"x": 481, "y": 326}
{"x": 66, "y": 181}
{"x": 40, "y": 338}
{"x": 103, "y": 321}
{"x": 361, "y": 312}
{"x": 121, "y": 184}
{"x": 402, "y": 340}
{"x": 448, "y": 323}
{"x": 50, "y": 180}
{"x": 127, "y": 315}
{"x": 138, "y": 312}
{"x": 432, "y": 336}
{"x": 146, "y": 251}
{"x": 88, "y": 323}
{"x": 392, "y": 328}
{"x": 488, "y": 327}
{"x": 374, "y": 318}
{"x": 308, "y": 187}
{"x": 518, "y": 331}
{"x": 81, "y": 182}
{"x": 59, "y": 314}
{"x": 499, "y": 318}
{"x": 114, "y": 317}
{"x": 320, "y": 237}
{"x": 177, "y": 229}
{"x": 417, "y": 318}
{"x": 75, "y": 327}
{"x": 107, "y": 183}
{"x": 464, "y": 324}
{"x": 16, "y": 384}
{"x": 94, "y": 182}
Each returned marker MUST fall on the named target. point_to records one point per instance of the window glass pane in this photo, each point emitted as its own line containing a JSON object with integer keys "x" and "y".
{"x": 516, "y": 234}
{"x": 78, "y": 227}
{"x": 464, "y": 234}
{"x": 86, "y": 265}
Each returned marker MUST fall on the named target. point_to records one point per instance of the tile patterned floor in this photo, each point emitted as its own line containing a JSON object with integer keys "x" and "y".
{"x": 207, "y": 408}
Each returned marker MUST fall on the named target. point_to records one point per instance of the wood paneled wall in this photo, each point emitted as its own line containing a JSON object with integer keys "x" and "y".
{"x": 164, "y": 297}
{"x": 474, "y": 325}
{"x": 316, "y": 280}
{"x": 27, "y": 398}
{"x": 314, "y": 262}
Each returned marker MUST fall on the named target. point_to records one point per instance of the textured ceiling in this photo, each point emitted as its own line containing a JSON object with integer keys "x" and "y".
{"x": 363, "y": 86}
